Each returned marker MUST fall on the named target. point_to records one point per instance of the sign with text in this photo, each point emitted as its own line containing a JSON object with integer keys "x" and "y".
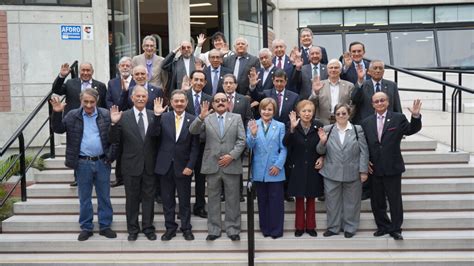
{"x": 71, "y": 32}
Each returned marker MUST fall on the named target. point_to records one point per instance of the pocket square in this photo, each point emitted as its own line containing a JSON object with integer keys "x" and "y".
{"x": 391, "y": 129}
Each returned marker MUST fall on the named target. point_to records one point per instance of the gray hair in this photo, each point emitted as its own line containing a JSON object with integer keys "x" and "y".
{"x": 125, "y": 58}
{"x": 86, "y": 63}
{"x": 276, "y": 41}
{"x": 334, "y": 61}
{"x": 139, "y": 87}
{"x": 149, "y": 38}
{"x": 265, "y": 51}
{"x": 140, "y": 66}
{"x": 91, "y": 92}
{"x": 376, "y": 61}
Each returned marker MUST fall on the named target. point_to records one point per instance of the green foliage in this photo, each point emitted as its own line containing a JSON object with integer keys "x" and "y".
{"x": 15, "y": 170}
{"x": 7, "y": 209}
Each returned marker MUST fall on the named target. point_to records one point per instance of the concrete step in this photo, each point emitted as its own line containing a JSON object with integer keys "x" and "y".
{"x": 364, "y": 241}
{"x": 439, "y": 171}
{"x": 409, "y": 186}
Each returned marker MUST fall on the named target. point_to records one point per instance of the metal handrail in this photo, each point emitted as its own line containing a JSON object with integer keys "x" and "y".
{"x": 250, "y": 215}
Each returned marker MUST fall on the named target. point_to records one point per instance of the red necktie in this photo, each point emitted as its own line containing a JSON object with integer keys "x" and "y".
{"x": 279, "y": 65}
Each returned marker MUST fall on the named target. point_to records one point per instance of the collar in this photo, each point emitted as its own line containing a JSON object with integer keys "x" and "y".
{"x": 232, "y": 94}
{"x": 384, "y": 114}
{"x": 334, "y": 84}
{"x": 136, "y": 111}
{"x": 86, "y": 81}
{"x": 214, "y": 69}
{"x": 194, "y": 92}
{"x": 223, "y": 115}
{"x": 180, "y": 116}
{"x": 348, "y": 127}
{"x": 84, "y": 114}
{"x": 375, "y": 82}
{"x": 317, "y": 65}
{"x": 282, "y": 92}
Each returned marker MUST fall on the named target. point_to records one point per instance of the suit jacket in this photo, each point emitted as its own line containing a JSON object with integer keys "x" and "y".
{"x": 246, "y": 63}
{"x": 324, "y": 56}
{"x": 72, "y": 90}
{"x": 289, "y": 69}
{"x": 190, "y": 107}
{"x": 268, "y": 150}
{"x": 344, "y": 161}
{"x": 242, "y": 107}
{"x": 268, "y": 84}
{"x": 114, "y": 92}
{"x": 362, "y": 98}
{"x": 322, "y": 100}
{"x": 183, "y": 152}
{"x": 290, "y": 99}
{"x": 176, "y": 71}
{"x": 386, "y": 155}
{"x": 303, "y": 79}
{"x": 158, "y": 76}
{"x": 153, "y": 93}
{"x": 232, "y": 143}
{"x": 138, "y": 155}
{"x": 208, "y": 88}
{"x": 351, "y": 73}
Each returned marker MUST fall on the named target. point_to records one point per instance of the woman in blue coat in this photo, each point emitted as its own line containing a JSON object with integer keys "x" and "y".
{"x": 265, "y": 138}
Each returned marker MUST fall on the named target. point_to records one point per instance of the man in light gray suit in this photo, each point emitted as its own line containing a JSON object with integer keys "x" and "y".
{"x": 156, "y": 76}
{"x": 225, "y": 142}
{"x": 328, "y": 93}
{"x": 179, "y": 67}
{"x": 305, "y": 74}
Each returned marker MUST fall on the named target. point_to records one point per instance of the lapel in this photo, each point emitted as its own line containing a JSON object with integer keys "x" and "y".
{"x": 133, "y": 123}
{"x": 272, "y": 129}
{"x": 183, "y": 133}
{"x": 307, "y": 69}
{"x": 237, "y": 103}
{"x": 228, "y": 122}
{"x": 342, "y": 90}
{"x": 369, "y": 89}
{"x": 335, "y": 133}
{"x": 322, "y": 69}
{"x": 149, "y": 116}
{"x": 386, "y": 124}
{"x": 213, "y": 123}
{"x": 191, "y": 101}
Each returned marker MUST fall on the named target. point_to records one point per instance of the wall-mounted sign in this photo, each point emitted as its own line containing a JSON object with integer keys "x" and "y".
{"x": 71, "y": 32}
{"x": 88, "y": 32}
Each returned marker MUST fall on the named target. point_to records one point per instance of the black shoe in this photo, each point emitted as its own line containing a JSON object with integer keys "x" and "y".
{"x": 109, "y": 233}
{"x": 234, "y": 237}
{"x": 117, "y": 183}
{"x": 365, "y": 196}
{"x": 322, "y": 198}
{"x": 348, "y": 235}
{"x": 379, "y": 233}
{"x": 299, "y": 233}
{"x": 158, "y": 199}
{"x": 132, "y": 237}
{"x": 168, "y": 235}
{"x": 222, "y": 197}
{"x": 188, "y": 235}
{"x": 212, "y": 237}
{"x": 151, "y": 236}
{"x": 396, "y": 235}
{"x": 242, "y": 198}
{"x": 312, "y": 232}
{"x": 73, "y": 184}
{"x": 200, "y": 213}
{"x": 289, "y": 199}
{"x": 329, "y": 233}
{"x": 84, "y": 235}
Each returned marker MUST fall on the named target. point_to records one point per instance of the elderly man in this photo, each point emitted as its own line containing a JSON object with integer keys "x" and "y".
{"x": 152, "y": 62}
{"x": 132, "y": 130}
{"x": 241, "y": 62}
{"x": 282, "y": 61}
{"x": 225, "y": 142}
{"x": 139, "y": 74}
{"x": 305, "y": 74}
{"x": 328, "y": 93}
{"x": 89, "y": 153}
{"x": 384, "y": 131}
{"x": 179, "y": 68}
{"x": 214, "y": 72}
{"x": 306, "y": 41}
{"x": 354, "y": 62}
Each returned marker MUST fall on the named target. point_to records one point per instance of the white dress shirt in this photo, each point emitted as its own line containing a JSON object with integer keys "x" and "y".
{"x": 145, "y": 118}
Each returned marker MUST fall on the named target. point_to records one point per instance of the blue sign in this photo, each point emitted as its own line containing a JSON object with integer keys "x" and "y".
{"x": 71, "y": 32}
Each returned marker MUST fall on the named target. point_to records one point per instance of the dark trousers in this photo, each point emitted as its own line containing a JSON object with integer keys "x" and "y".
{"x": 366, "y": 188}
{"x": 305, "y": 217}
{"x": 140, "y": 189}
{"x": 118, "y": 165}
{"x": 387, "y": 187}
{"x": 270, "y": 208}
{"x": 199, "y": 182}
{"x": 169, "y": 184}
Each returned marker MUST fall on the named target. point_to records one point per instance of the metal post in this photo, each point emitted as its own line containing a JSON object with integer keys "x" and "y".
{"x": 396, "y": 76}
{"x": 444, "y": 93}
{"x": 459, "y": 92}
{"x": 264, "y": 23}
{"x": 52, "y": 145}
{"x": 21, "y": 141}
{"x": 250, "y": 218}
{"x": 453, "y": 120}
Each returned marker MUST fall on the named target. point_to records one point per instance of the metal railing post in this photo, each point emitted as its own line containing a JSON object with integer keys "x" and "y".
{"x": 459, "y": 92}
{"x": 453, "y": 120}
{"x": 52, "y": 144}
{"x": 396, "y": 77}
{"x": 21, "y": 141}
{"x": 250, "y": 217}
{"x": 444, "y": 93}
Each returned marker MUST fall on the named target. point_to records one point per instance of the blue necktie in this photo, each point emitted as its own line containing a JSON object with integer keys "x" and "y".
{"x": 220, "y": 120}
{"x": 197, "y": 104}
{"x": 215, "y": 80}
{"x": 377, "y": 87}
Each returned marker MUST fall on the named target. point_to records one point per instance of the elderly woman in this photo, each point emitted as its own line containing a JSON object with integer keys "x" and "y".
{"x": 265, "y": 139}
{"x": 305, "y": 182}
{"x": 345, "y": 168}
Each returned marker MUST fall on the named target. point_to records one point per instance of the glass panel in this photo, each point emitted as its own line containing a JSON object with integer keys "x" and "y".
{"x": 456, "y": 48}
{"x": 377, "y": 16}
{"x": 353, "y": 17}
{"x": 125, "y": 27}
{"x": 422, "y": 15}
{"x": 400, "y": 15}
{"x": 309, "y": 17}
{"x": 76, "y": 2}
{"x": 332, "y": 43}
{"x": 331, "y": 17}
{"x": 376, "y": 44}
{"x": 446, "y": 14}
{"x": 466, "y": 13}
{"x": 41, "y": 1}
{"x": 248, "y": 10}
{"x": 414, "y": 49}
{"x": 11, "y": 2}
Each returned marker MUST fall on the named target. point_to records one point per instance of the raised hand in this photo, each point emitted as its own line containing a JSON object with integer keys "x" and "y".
{"x": 158, "y": 107}
{"x": 360, "y": 74}
{"x": 323, "y": 137}
{"x": 58, "y": 106}
{"x": 295, "y": 52}
{"x": 198, "y": 64}
{"x": 293, "y": 120}
{"x": 177, "y": 49}
{"x": 347, "y": 59}
{"x": 185, "y": 83}
{"x": 253, "y": 127}
{"x": 253, "y": 77}
{"x": 115, "y": 114}
{"x": 204, "y": 110}
{"x": 225, "y": 48}
{"x": 65, "y": 70}
{"x": 415, "y": 110}
{"x": 316, "y": 84}
{"x": 201, "y": 38}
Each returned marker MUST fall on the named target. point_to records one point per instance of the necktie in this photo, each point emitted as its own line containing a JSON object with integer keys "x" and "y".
{"x": 380, "y": 126}
{"x": 141, "y": 125}
{"x": 215, "y": 80}
{"x": 149, "y": 68}
{"x": 177, "y": 119}
{"x": 197, "y": 104}
{"x": 220, "y": 121}
{"x": 315, "y": 71}
{"x": 377, "y": 87}
{"x": 237, "y": 67}
{"x": 280, "y": 96}
{"x": 231, "y": 102}
{"x": 279, "y": 65}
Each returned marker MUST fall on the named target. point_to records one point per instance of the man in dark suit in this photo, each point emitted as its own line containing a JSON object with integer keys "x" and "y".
{"x": 73, "y": 87}
{"x": 354, "y": 61}
{"x": 304, "y": 75}
{"x": 177, "y": 154}
{"x": 140, "y": 74}
{"x": 265, "y": 71}
{"x": 282, "y": 61}
{"x": 240, "y": 63}
{"x": 195, "y": 98}
{"x": 132, "y": 129}
{"x": 384, "y": 131}
{"x": 178, "y": 67}
{"x": 306, "y": 41}
{"x": 214, "y": 73}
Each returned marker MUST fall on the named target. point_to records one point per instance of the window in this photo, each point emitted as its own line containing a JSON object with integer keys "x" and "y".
{"x": 353, "y": 17}
{"x": 456, "y": 47}
{"x": 414, "y": 49}
{"x": 86, "y": 3}
{"x": 316, "y": 17}
{"x": 376, "y": 44}
{"x": 332, "y": 43}
{"x": 456, "y": 13}
{"x": 411, "y": 15}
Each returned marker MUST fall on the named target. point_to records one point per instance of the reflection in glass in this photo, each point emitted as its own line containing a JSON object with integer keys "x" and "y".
{"x": 414, "y": 49}
{"x": 456, "y": 47}
{"x": 376, "y": 44}
{"x": 332, "y": 43}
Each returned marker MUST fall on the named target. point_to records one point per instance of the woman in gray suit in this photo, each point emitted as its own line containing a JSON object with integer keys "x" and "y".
{"x": 345, "y": 168}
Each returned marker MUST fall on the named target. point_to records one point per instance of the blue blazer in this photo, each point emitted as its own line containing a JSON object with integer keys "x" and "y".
{"x": 114, "y": 92}
{"x": 268, "y": 150}
{"x": 208, "y": 88}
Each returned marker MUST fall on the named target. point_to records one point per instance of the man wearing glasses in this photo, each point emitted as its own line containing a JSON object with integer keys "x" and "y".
{"x": 152, "y": 62}
{"x": 179, "y": 66}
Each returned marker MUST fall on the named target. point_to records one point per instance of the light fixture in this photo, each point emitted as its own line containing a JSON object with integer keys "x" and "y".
{"x": 200, "y": 5}
{"x": 203, "y": 16}
{"x": 197, "y": 23}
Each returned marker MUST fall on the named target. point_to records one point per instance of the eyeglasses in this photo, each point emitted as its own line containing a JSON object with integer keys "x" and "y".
{"x": 341, "y": 114}
{"x": 228, "y": 82}
{"x": 379, "y": 101}
{"x": 222, "y": 100}
{"x": 185, "y": 47}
